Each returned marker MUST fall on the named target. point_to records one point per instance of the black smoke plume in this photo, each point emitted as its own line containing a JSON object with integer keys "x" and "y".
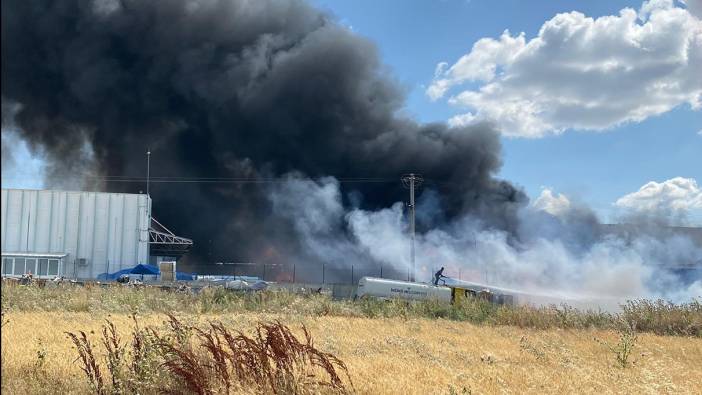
{"x": 251, "y": 90}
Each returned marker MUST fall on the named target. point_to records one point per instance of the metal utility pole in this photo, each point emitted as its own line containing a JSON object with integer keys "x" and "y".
{"x": 411, "y": 181}
{"x": 148, "y": 169}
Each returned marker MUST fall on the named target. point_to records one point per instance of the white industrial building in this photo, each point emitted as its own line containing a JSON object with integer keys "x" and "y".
{"x": 81, "y": 234}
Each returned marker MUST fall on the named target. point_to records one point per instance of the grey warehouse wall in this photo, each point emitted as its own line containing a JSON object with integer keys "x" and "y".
{"x": 98, "y": 231}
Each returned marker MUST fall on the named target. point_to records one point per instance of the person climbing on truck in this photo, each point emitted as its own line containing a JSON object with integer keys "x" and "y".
{"x": 438, "y": 275}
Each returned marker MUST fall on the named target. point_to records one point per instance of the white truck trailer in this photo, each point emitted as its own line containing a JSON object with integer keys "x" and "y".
{"x": 390, "y": 289}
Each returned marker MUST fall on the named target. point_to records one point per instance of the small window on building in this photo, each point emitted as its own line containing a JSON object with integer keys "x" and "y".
{"x": 31, "y": 266}
{"x": 19, "y": 266}
{"x": 43, "y": 267}
{"x": 53, "y": 267}
{"x": 6, "y": 266}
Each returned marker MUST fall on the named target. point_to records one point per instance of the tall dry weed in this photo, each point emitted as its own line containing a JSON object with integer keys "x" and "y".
{"x": 115, "y": 353}
{"x": 89, "y": 363}
{"x": 211, "y": 360}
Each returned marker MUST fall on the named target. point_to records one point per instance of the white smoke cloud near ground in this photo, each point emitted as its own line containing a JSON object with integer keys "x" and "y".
{"x": 561, "y": 253}
{"x": 580, "y": 72}
{"x": 20, "y": 169}
{"x": 316, "y": 212}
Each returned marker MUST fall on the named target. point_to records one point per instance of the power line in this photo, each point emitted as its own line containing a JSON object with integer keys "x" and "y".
{"x": 217, "y": 180}
{"x": 222, "y": 180}
{"x": 203, "y": 180}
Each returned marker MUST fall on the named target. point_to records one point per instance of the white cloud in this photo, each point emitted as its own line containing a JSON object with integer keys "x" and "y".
{"x": 672, "y": 196}
{"x": 440, "y": 69}
{"x": 580, "y": 72}
{"x": 694, "y": 7}
{"x": 462, "y": 119}
{"x": 554, "y": 204}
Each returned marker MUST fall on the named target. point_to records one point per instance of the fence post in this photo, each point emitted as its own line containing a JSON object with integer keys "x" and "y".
{"x": 323, "y": 266}
{"x": 381, "y": 270}
{"x": 264, "y": 273}
{"x": 293, "y": 272}
{"x": 352, "y": 274}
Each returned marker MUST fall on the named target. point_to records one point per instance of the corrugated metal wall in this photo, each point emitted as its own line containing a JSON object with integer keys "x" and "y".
{"x": 109, "y": 230}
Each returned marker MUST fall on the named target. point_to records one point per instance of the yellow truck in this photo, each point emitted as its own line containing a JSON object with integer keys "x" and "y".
{"x": 460, "y": 293}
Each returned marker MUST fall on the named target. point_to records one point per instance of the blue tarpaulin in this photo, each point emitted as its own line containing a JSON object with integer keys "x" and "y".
{"x": 145, "y": 269}
{"x": 180, "y": 276}
{"x": 113, "y": 276}
{"x": 148, "y": 270}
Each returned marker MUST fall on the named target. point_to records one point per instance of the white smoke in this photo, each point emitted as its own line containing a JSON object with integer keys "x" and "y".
{"x": 26, "y": 166}
{"x": 20, "y": 167}
{"x": 565, "y": 254}
{"x": 315, "y": 209}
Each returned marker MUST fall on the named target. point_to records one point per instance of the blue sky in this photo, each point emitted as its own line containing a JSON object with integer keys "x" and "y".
{"x": 596, "y": 167}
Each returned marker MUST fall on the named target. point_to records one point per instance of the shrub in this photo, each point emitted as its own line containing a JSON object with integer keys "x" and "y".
{"x": 664, "y": 318}
{"x": 660, "y": 317}
{"x": 625, "y": 346}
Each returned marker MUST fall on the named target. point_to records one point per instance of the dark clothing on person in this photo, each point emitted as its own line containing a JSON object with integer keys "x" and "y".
{"x": 438, "y": 275}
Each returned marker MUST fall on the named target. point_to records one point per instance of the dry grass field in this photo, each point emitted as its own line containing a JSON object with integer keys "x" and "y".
{"x": 418, "y": 356}
{"x": 389, "y": 347}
